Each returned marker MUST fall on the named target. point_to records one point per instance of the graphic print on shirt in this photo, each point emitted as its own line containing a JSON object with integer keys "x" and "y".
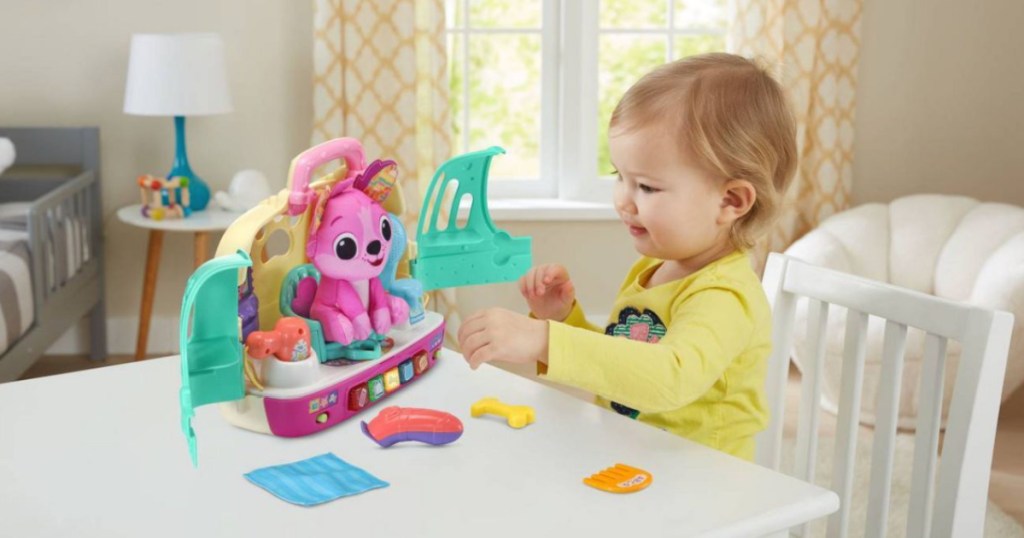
{"x": 643, "y": 326}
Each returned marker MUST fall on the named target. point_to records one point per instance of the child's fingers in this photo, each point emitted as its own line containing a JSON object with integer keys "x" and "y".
{"x": 473, "y": 324}
{"x": 556, "y": 274}
{"x": 480, "y": 355}
{"x": 538, "y": 283}
{"x": 474, "y": 342}
{"x": 568, "y": 291}
{"x": 527, "y": 283}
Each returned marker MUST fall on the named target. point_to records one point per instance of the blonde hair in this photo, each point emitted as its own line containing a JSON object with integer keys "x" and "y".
{"x": 731, "y": 113}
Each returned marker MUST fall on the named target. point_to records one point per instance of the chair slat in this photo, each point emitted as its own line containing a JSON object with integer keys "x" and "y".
{"x": 810, "y": 390}
{"x": 855, "y": 346}
{"x": 886, "y": 413}
{"x": 810, "y": 395}
{"x": 926, "y": 440}
{"x": 769, "y": 441}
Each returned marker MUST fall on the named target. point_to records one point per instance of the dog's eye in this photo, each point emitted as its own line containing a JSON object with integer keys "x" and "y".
{"x": 345, "y": 246}
{"x": 385, "y": 228}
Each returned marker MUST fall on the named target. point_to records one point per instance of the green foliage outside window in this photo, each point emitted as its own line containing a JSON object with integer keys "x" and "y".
{"x": 504, "y": 86}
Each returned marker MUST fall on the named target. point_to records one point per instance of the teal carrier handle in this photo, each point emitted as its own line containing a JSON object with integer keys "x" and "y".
{"x": 211, "y": 356}
{"x": 477, "y": 252}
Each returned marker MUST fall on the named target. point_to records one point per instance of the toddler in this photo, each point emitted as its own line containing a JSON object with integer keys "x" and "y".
{"x": 704, "y": 148}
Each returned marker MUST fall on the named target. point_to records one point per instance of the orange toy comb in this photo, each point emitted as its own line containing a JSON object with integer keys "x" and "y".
{"x": 620, "y": 479}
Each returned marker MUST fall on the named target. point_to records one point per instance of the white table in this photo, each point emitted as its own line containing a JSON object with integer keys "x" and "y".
{"x": 100, "y": 453}
{"x": 200, "y": 224}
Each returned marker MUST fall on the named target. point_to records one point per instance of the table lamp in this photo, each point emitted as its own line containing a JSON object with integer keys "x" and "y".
{"x": 178, "y": 75}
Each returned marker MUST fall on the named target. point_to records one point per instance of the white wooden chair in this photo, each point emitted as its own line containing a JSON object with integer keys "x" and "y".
{"x": 956, "y": 508}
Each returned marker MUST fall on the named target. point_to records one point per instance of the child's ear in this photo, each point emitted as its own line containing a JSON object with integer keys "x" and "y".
{"x": 738, "y": 196}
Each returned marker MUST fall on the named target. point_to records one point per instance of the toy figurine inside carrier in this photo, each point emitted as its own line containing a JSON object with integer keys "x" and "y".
{"x": 292, "y": 380}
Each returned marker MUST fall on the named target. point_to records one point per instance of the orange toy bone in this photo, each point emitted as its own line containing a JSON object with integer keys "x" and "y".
{"x": 289, "y": 341}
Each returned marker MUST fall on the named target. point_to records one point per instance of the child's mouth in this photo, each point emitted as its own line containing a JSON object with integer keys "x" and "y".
{"x": 637, "y": 231}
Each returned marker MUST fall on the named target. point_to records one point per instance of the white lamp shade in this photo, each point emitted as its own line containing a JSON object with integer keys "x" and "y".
{"x": 176, "y": 75}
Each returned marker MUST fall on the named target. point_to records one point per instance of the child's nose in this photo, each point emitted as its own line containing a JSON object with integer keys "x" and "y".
{"x": 624, "y": 203}
{"x": 373, "y": 248}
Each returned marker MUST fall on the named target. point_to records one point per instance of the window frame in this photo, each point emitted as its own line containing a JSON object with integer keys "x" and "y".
{"x": 570, "y": 40}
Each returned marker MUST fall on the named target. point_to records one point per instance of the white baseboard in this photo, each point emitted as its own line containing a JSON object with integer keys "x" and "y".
{"x": 121, "y": 332}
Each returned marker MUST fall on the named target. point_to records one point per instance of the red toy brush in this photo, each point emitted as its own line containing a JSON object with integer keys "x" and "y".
{"x": 398, "y": 424}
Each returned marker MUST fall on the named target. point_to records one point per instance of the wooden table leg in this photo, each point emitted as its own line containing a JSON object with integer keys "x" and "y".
{"x": 156, "y": 242}
{"x": 202, "y": 243}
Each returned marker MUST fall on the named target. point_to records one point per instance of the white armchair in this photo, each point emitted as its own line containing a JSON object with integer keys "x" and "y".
{"x": 950, "y": 246}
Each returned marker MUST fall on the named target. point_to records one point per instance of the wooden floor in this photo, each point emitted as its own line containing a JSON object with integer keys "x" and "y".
{"x": 1006, "y": 489}
{"x": 62, "y": 364}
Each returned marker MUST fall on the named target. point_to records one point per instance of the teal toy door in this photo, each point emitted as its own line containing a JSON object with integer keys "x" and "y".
{"x": 209, "y": 337}
{"x": 476, "y": 252}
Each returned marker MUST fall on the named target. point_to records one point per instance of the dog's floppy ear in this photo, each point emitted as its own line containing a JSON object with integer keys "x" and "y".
{"x": 314, "y": 221}
{"x": 378, "y": 179}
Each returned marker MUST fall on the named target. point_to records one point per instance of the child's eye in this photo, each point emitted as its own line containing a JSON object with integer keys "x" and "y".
{"x": 648, "y": 189}
{"x": 618, "y": 176}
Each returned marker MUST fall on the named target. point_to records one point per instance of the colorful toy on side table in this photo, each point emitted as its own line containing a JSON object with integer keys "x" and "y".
{"x": 164, "y": 198}
{"x": 397, "y": 424}
{"x": 517, "y": 416}
{"x": 346, "y": 329}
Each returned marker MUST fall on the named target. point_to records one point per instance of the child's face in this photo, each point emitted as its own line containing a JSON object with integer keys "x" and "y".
{"x": 673, "y": 208}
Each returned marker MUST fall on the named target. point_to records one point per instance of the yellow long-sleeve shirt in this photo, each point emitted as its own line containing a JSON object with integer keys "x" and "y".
{"x": 691, "y": 358}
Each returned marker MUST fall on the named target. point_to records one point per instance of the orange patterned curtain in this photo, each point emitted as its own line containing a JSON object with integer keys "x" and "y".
{"x": 815, "y": 44}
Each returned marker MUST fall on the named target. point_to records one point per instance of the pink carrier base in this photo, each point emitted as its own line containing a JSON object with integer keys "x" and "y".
{"x": 340, "y": 392}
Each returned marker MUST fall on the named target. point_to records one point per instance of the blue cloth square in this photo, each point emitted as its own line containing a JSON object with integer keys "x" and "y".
{"x": 315, "y": 480}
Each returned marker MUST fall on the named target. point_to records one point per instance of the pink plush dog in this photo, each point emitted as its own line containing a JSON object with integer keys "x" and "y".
{"x": 349, "y": 241}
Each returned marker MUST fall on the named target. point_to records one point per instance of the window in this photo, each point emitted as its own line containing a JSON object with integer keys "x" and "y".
{"x": 541, "y": 78}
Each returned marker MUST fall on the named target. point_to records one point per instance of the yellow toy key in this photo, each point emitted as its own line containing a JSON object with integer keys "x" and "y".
{"x": 620, "y": 479}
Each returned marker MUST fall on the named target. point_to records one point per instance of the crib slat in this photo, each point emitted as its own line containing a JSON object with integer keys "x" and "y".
{"x": 92, "y": 234}
{"x": 81, "y": 227}
{"x": 886, "y": 412}
{"x": 855, "y": 347}
{"x": 53, "y": 253}
{"x": 926, "y": 442}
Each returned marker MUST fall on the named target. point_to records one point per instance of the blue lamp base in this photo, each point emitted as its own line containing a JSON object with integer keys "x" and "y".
{"x": 198, "y": 191}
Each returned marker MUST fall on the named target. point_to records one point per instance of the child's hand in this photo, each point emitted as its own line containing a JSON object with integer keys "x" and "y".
{"x": 548, "y": 291}
{"x": 497, "y": 334}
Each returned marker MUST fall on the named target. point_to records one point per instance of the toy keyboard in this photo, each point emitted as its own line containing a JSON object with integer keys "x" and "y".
{"x": 300, "y": 398}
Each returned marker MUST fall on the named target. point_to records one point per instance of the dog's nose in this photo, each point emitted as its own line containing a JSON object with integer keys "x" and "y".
{"x": 373, "y": 248}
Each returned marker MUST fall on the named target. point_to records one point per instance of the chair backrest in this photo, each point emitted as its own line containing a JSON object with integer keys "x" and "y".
{"x": 957, "y": 506}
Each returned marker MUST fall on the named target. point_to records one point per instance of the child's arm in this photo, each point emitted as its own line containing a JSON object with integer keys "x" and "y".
{"x": 707, "y": 331}
{"x": 576, "y": 318}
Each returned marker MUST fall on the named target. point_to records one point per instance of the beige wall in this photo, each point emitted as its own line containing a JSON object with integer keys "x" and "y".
{"x": 940, "y": 104}
{"x": 64, "y": 64}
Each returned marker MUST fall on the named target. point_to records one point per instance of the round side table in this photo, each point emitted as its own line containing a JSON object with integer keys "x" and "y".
{"x": 200, "y": 224}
